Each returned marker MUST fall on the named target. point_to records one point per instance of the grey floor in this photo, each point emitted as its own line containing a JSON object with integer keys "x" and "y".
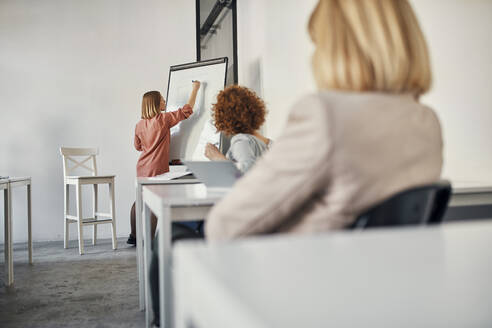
{"x": 62, "y": 288}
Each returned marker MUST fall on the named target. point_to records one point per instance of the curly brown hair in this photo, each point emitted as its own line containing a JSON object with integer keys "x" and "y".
{"x": 238, "y": 110}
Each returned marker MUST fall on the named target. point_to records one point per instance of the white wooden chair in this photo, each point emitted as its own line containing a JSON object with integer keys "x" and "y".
{"x": 87, "y": 163}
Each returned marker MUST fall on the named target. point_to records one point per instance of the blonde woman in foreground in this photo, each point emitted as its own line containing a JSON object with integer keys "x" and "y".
{"x": 361, "y": 138}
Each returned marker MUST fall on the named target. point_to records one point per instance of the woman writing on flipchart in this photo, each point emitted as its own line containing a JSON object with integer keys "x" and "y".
{"x": 361, "y": 138}
{"x": 152, "y": 139}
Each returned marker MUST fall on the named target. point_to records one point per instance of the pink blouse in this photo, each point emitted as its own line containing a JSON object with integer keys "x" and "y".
{"x": 152, "y": 138}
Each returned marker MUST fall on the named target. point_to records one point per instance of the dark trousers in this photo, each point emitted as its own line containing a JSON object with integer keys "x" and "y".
{"x": 190, "y": 230}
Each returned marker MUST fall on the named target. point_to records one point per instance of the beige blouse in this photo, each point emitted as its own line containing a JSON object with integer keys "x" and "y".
{"x": 340, "y": 153}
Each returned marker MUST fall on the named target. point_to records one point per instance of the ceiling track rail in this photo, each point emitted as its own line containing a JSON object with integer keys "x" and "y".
{"x": 214, "y": 14}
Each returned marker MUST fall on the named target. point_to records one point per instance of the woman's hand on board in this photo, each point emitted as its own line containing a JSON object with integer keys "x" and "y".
{"x": 196, "y": 85}
{"x": 213, "y": 153}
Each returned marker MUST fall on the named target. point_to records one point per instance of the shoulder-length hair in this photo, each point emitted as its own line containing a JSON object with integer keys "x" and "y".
{"x": 151, "y": 103}
{"x": 369, "y": 45}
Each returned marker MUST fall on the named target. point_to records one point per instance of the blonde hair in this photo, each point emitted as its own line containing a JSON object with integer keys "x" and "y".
{"x": 151, "y": 104}
{"x": 369, "y": 45}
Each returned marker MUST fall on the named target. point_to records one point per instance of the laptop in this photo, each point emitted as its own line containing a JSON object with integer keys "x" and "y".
{"x": 218, "y": 176}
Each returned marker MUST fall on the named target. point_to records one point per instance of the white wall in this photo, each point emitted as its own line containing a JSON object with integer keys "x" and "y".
{"x": 459, "y": 35}
{"x": 274, "y": 54}
{"x": 273, "y": 35}
{"x": 251, "y": 35}
{"x": 73, "y": 73}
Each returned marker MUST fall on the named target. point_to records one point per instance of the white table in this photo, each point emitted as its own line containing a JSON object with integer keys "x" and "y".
{"x": 7, "y": 185}
{"x": 170, "y": 203}
{"x": 414, "y": 277}
{"x": 139, "y": 183}
{"x": 471, "y": 194}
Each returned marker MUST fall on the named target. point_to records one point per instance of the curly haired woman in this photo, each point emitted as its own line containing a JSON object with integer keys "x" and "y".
{"x": 239, "y": 113}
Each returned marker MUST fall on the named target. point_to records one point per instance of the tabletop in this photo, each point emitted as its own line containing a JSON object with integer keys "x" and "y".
{"x": 462, "y": 186}
{"x": 181, "y": 194}
{"x": 152, "y": 180}
{"x": 411, "y": 277}
{"x": 18, "y": 179}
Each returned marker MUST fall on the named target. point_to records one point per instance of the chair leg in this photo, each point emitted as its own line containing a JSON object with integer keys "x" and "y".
{"x": 113, "y": 213}
{"x": 96, "y": 209}
{"x": 65, "y": 213}
{"x": 79, "y": 218}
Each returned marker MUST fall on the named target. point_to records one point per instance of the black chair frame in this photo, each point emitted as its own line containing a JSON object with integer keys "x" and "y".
{"x": 416, "y": 206}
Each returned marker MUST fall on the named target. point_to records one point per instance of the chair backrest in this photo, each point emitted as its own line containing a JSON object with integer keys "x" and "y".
{"x": 87, "y": 162}
{"x": 416, "y": 206}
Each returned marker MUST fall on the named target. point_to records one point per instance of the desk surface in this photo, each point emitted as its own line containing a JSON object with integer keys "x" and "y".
{"x": 161, "y": 180}
{"x": 466, "y": 193}
{"x": 154, "y": 181}
{"x": 181, "y": 194}
{"x": 472, "y": 190}
{"x": 18, "y": 179}
{"x": 414, "y": 277}
{"x": 471, "y": 186}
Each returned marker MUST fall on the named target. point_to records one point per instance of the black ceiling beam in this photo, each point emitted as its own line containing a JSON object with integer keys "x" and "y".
{"x": 212, "y": 17}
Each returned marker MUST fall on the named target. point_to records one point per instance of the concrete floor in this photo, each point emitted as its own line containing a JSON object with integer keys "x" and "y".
{"x": 62, "y": 288}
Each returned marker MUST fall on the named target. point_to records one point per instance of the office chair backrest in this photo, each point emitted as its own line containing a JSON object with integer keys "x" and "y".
{"x": 415, "y": 206}
{"x": 88, "y": 162}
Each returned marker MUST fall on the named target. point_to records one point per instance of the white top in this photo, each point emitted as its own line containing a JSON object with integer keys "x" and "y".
{"x": 414, "y": 277}
{"x": 245, "y": 150}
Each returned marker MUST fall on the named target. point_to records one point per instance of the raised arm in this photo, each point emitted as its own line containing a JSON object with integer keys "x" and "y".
{"x": 194, "y": 92}
{"x": 173, "y": 118}
{"x": 282, "y": 181}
